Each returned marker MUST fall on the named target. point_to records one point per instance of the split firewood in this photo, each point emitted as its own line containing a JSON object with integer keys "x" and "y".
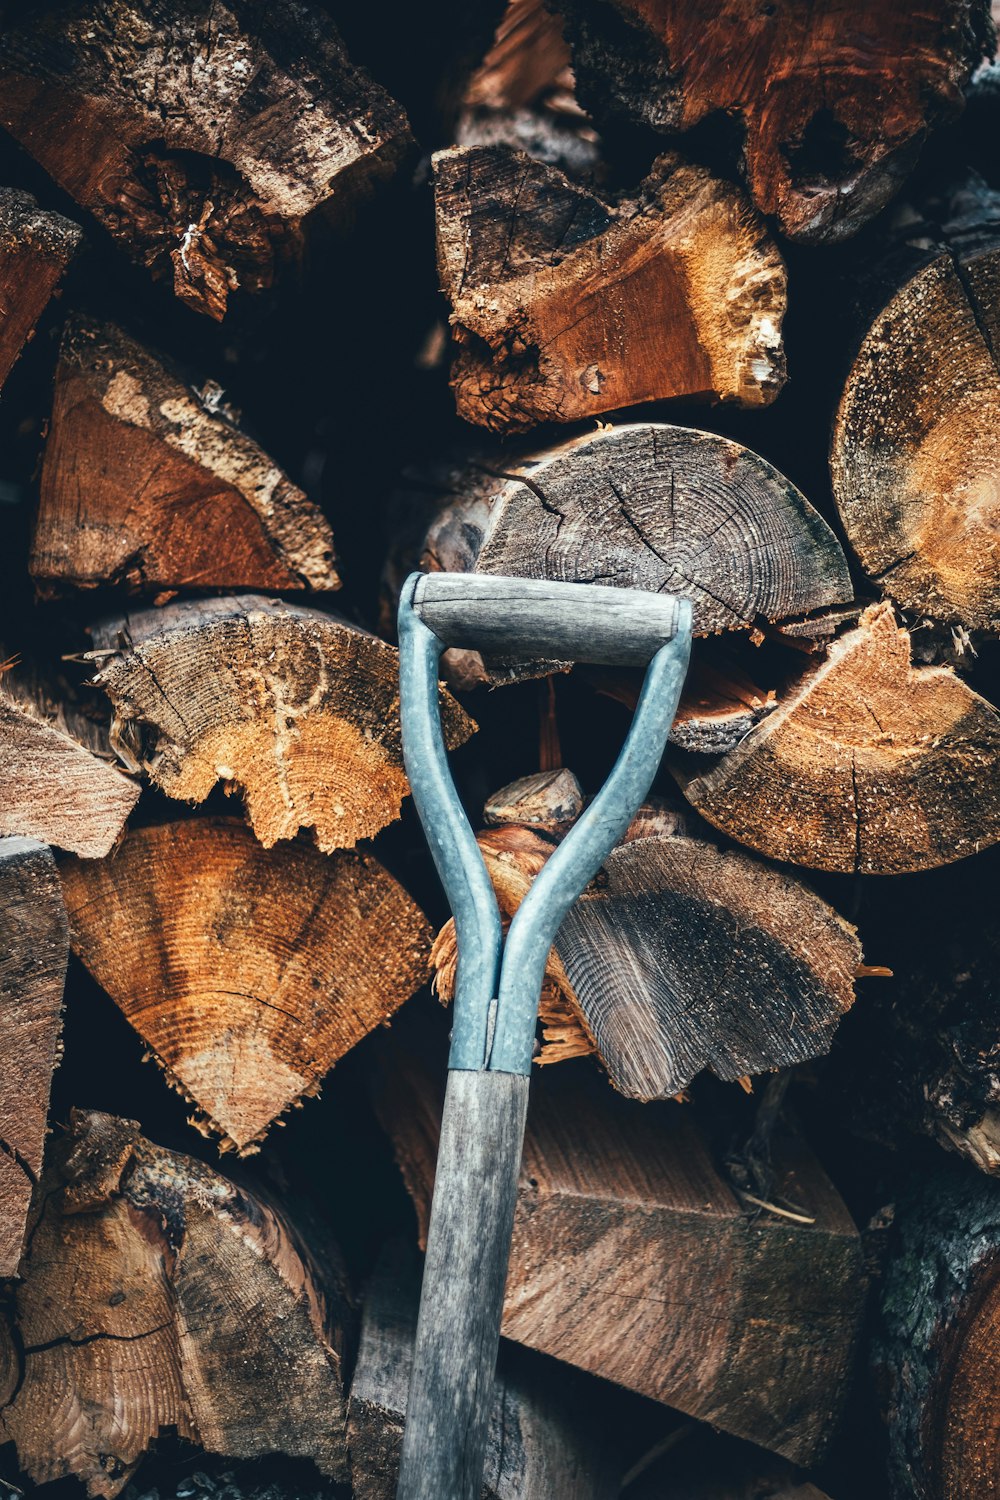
{"x": 156, "y": 1294}
{"x": 208, "y": 140}
{"x": 148, "y": 481}
{"x": 835, "y": 100}
{"x": 644, "y": 506}
{"x": 36, "y": 246}
{"x": 529, "y": 57}
{"x": 565, "y": 304}
{"x": 549, "y": 1435}
{"x": 190, "y": 929}
{"x": 57, "y": 784}
{"x": 617, "y": 1203}
{"x": 549, "y": 801}
{"x": 872, "y": 765}
{"x": 914, "y": 453}
{"x": 34, "y": 949}
{"x": 679, "y": 957}
{"x": 296, "y": 708}
{"x": 939, "y": 1351}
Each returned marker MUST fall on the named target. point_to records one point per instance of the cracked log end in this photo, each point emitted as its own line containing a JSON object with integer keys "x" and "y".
{"x": 565, "y": 305}
{"x": 190, "y": 928}
{"x": 632, "y": 1258}
{"x": 35, "y": 248}
{"x": 916, "y": 448}
{"x": 144, "y": 483}
{"x": 34, "y": 949}
{"x": 835, "y": 98}
{"x": 156, "y": 1294}
{"x": 148, "y": 119}
{"x": 297, "y": 709}
{"x": 871, "y": 765}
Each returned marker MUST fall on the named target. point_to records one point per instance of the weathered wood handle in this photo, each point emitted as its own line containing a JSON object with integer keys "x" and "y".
{"x": 583, "y": 622}
{"x": 468, "y": 1246}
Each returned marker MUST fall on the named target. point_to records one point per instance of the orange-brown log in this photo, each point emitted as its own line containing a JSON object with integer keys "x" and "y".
{"x": 36, "y": 246}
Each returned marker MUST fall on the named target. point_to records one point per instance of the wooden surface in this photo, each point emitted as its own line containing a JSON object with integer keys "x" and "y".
{"x": 157, "y": 1294}
{"x": 565, "y": 304}
{"x": 633, "y": 1259}
{"x": 296, "y": 708}
{"x": 872, "y": 765}
{"x": 140, "y": 110}
{"x": 34, "y": 949}
{"x": 248, "y": 972}
{"x": 36, "y": 246}
{"x": 145, "y": 484}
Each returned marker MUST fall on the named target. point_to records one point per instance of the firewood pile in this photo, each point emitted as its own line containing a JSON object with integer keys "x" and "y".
{"x": 699, "y": 299}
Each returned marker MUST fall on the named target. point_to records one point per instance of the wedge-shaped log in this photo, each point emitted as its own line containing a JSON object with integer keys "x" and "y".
{"x": 206, "y": 139}
{"x": 158, "y": 1294}
{"x": 633, "y": 1259}
{"x": 144, "y": 483}
{"x": 57, "y": 784}
{"x": 249, "y": 972}
{"x": 565, "y": 305}
{"x": 551, "y": 1436}
{"x": 871, "y": 765}
{"x": 296, "y": 708}
{"x": 34, "y": 949}
{"x": 36, "y": 246}
{"x": 835, "y": 98}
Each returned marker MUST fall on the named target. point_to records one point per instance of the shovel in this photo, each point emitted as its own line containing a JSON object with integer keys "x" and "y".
{"x": 497, "y": 989}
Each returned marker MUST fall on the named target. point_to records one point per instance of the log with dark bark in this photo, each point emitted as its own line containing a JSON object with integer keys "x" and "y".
{"x": 207, "y": 139}
{"x": 914, "y": 454}
{"x": 550, "y": 1432}
{"x": 939, "y": 1350}
{"x": 645, "y": 506}
{"x": 565, "y": 304}
{"x": 248, "y": 972}
{"x": 36, "y": 246}
{"x": 296, "y": 708}
{"x": 871, "y": 765}
{"x": 158, "y": 1294}
{"x": 149, "y": 482}
{"x": 618, "y": 1202}
{"x": 57, "y": 783}
{"x": 34, "y": 949}
{"x": 835, "y": 99}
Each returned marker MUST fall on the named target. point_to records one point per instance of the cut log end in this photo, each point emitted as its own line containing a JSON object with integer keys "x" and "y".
{"x": 36, "y": 246}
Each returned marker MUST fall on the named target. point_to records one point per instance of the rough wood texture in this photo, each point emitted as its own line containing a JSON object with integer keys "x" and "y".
{"x": 872, "y": 765}
{"x": 34, "y": 949}
{"x": 633, "y": 1259}
{"x": 145, "y": 483}
{"x": 296, "y": 708}
{"x": 36, "y": 246}
{"x": 681, "y": 957}
{"x": 248, "y": 972}
{"x": 548, "y": 1434}
{"x": 56, "y": 784}
{"x": 940, "y": 1343}
{"x": 157, "y": 1294}
{"x": 835, "y": 99}
{"x": 564, "y": 304}
{"x": 648, "y": 506}
{"x": 550, "y": 801}
{"x": 720, "y": 703}
{"x": 914, "y": 455}
{"x": 206, "y": 138}
{"x": 529, "y": 56}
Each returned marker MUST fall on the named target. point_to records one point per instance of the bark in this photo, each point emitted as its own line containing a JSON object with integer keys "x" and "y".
{"x": 36, "y": 246}
{"x": 871, "y": 766}
{"x": 207, "y": 139}
{"x": 565, "y": 304}
{"x": 248, "y": 972}
{"x": 834, "y": 100}
{"x": 158, "y": 1294}
{"x": 34, "y": 949}
{"x": 756, "y": 1332}
{"x": 296, "y": 708}
{"x": 149, "y": 482}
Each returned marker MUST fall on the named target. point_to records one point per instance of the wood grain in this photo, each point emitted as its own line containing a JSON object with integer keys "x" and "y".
{"x": 36, "y": 245}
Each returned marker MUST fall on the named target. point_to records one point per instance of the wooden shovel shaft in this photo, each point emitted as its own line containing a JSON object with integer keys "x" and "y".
{"x": 468, "y": 1246}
